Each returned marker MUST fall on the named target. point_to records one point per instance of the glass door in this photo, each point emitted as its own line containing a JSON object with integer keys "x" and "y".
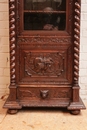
{"x": 46, "y": 15}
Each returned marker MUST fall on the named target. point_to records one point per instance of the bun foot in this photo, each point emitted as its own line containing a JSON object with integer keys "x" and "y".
{"x": 12, "y": 111}
{"x": 75, "y": 112}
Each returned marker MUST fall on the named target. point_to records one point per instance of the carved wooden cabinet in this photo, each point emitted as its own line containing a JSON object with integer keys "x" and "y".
{"x": 44, "y": 54}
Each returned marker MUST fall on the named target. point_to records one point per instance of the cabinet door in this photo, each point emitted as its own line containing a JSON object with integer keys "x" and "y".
{"x": 45, "y": 45}
{"x": 46, "y": 62}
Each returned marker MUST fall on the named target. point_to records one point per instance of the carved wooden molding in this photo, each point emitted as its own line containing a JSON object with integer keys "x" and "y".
{"x": 12, "y": 40}
{"x": 76, "y": 40}
{"x": 70, "y": 16}
{"x": 48, "y": 39}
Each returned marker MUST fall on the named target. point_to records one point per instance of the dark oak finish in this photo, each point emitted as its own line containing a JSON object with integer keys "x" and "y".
{"x": 44, "y": 54}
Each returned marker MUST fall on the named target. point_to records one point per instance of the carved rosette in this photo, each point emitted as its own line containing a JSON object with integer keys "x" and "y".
{"x": 12, "y": 40}
{"x": 76, "y": 40}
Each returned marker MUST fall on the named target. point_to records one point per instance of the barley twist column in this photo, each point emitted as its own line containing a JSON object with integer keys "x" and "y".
{"x": 76, "y": 49}
{"x": 12, "y": 40}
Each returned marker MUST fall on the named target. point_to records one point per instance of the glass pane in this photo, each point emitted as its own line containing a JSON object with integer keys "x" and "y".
{"x": 43, "y": 4}
{"x": 44, "y": 21}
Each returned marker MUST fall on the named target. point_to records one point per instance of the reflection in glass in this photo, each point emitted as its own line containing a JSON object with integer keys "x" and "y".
{"x": 41, "y": 4}
{"x": 44, "y": 21}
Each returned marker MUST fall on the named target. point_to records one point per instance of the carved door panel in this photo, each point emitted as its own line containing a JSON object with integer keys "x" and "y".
{"x": 45, "y": 66}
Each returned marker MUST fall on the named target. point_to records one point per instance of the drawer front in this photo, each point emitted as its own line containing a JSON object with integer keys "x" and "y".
{"x": 43, "y": 93}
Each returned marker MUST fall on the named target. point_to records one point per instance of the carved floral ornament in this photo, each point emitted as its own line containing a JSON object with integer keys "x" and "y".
{"x": 39, "y": 39}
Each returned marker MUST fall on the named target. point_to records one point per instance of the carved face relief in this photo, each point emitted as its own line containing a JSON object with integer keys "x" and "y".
{"x": 44, "y": 93}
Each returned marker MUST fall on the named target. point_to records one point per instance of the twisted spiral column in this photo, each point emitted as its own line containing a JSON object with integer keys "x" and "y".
{"x": 76, "y": 40}
{"x": 12, "y": 40}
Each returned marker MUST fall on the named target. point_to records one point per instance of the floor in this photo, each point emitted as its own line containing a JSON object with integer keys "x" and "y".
{"x": 42, "y": 119}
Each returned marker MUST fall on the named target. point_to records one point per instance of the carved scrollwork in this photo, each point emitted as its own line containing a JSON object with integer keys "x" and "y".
{"x": 26, "y": 93}
{"x": 44, "y": 64}
{"x": 62, "y": 94}
{"x": 42, "y": 40}
{"x": 12, "y": 40}
{"x": 76, "y": 40}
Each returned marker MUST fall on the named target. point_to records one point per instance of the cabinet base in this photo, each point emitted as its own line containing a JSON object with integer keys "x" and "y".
{"x": 76, "y": 105}
{"x": 12, "y": 105}
{"x": 73, "y": 107}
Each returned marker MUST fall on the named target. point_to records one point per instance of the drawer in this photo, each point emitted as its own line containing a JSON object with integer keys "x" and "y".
{"x": 43, "y": 93}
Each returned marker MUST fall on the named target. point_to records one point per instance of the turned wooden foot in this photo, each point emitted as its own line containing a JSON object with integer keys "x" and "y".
{"x": 12, "y": 111}
{"x": 75, "y": 112}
